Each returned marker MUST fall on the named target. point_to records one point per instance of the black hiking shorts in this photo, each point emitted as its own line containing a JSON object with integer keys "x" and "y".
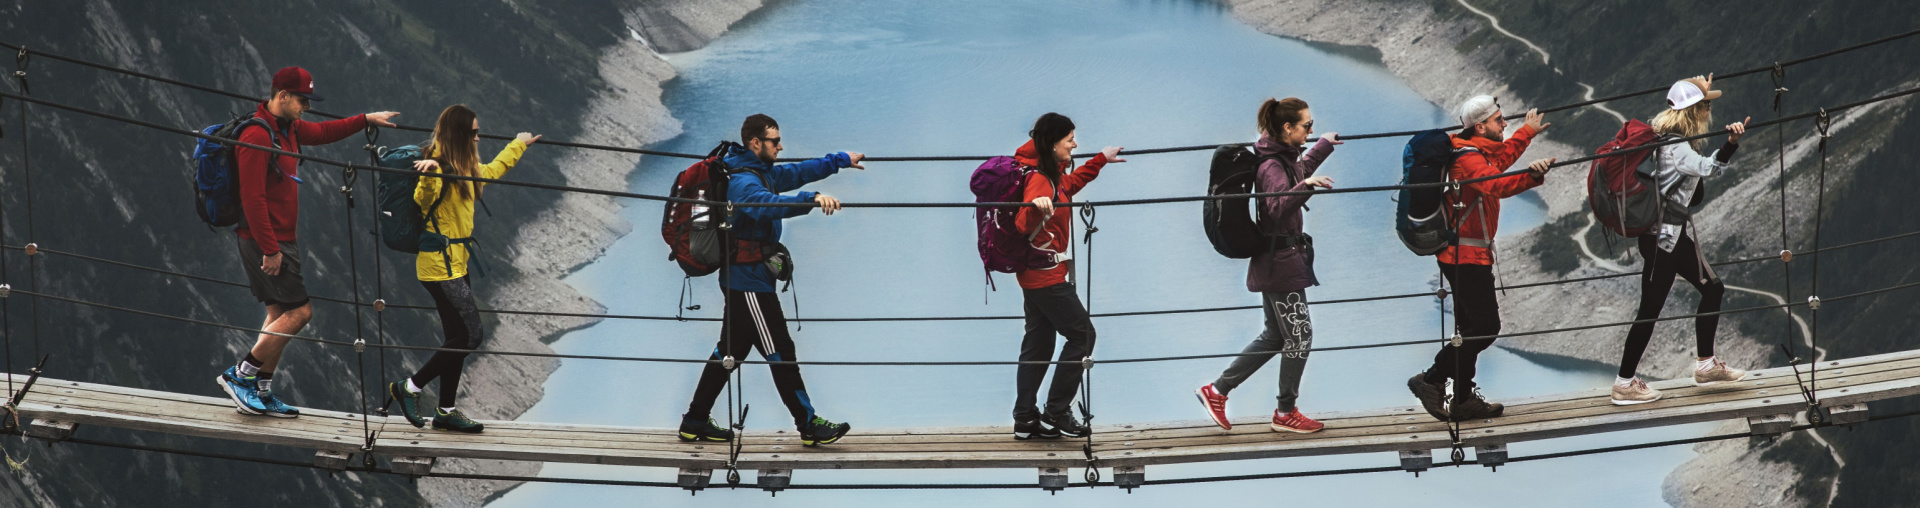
{"x": 287, "y": 289}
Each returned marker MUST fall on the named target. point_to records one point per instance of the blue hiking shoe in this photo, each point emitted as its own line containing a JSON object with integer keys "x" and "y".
{"x": 820, "y": 431}
{"x": 409, "y": 403}
{"x": 275, "y": 408}
{"x": 243, "y": 390}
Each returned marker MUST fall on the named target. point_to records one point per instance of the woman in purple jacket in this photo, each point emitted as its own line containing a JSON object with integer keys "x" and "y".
{"x": 1281, "y": 275}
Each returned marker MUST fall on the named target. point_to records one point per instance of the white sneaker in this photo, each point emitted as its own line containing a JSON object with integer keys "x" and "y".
{"x": 1633, "y": 391}
{"x": 1712, "y": 371}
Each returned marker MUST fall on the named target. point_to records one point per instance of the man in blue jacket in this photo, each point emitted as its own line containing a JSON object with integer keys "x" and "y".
{"x": 753, "y": 316}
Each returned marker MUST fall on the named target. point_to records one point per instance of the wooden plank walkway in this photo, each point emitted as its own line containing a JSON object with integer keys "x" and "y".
{"x": 1766, "y": 393}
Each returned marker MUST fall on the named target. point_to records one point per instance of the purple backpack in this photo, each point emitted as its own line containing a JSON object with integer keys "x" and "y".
{"x": 1003, "y": 248}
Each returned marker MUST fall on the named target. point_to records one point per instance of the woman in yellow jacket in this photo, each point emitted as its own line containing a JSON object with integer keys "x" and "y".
{"x": 448, "y": 205}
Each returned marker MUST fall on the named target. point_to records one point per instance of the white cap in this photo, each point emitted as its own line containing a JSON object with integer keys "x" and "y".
{"x": 1687, "y": 92}
{"x": 1477, "y": 109}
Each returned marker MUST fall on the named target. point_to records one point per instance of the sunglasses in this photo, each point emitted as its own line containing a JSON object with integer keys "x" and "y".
{"x": 1308, "y": 126}
{"x": 772, "y": 141}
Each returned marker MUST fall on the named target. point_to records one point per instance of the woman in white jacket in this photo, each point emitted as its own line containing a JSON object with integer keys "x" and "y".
{"x": 1670, "y": 250}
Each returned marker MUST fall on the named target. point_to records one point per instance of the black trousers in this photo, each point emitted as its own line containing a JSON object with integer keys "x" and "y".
{"x": 1052, "y": 310}
{"x": 460, "y": 320}
{"x": 755, "y": 322}
{"x": 1656, "y": 280}
{"x": 1476, "y": 313}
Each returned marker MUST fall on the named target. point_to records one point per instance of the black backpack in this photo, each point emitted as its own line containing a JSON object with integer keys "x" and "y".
{"x": 1422, "y": 219}
{"x": 1230, "y": 222}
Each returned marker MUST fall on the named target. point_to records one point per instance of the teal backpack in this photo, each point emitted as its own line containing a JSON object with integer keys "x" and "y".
{"x": 401, "y": 223}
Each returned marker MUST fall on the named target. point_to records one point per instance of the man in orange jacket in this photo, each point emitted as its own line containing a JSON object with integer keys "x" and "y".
{"x": 1481, "y": 150}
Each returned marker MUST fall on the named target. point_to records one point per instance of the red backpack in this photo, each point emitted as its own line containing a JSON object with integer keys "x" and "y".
{"x": 692, "y": 230}
{"x": 1624, "y": 199}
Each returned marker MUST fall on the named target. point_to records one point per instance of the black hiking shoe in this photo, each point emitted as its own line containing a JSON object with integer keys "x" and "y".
{"x": 1469, "y": 405}
{"x": 704, "y": 430}
{"x": 457, "y": 422}
{"x": 1063, "y": 423}
{"x": 820, "y": 431}
{"x": 1030, "y": 428}
{"x": 409, "y": 403}
{"x": 1433, "y": 396}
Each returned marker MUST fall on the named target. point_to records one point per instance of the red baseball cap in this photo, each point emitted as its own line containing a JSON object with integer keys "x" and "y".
{"x": 296, "y": 80}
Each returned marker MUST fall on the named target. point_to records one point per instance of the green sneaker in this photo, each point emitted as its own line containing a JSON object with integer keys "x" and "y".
{"x": 457, "y": 422}
{"x": 409, "y": 404}
{"x": 820, "y": 431}
{"x": 704, "y": 430}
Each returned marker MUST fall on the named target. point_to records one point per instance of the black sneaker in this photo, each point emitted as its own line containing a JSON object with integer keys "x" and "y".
{"x": 820, "y": 431}
{"x": 409, "y": 403}
{"x": 1031, "y": 428}
{"x": 1469, "y": 405}
{"x": 1433, "y": 396}
{"x": 704, "y": 430}
{"x": 457, "y": 422}
{"x": 1063, "y": 423}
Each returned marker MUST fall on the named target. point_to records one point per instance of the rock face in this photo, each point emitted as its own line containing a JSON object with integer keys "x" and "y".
{"x": 1447, "y": 51}
{"x": 114, "y": 191}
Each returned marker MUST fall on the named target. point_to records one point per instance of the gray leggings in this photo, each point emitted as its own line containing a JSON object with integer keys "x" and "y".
{"x": 1288, "y": 327}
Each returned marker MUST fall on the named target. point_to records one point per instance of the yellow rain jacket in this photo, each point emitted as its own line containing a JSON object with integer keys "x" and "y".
{"x": 454, "y": 217}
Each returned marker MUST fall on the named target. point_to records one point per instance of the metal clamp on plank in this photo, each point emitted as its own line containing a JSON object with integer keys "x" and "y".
{"x": 331, "y": 460}
{"x": 1490, "y": 455}
{"x": 1416, "y": 460}
{"x": 413, "y": 466}
{"x": 1770, "y": 425}
{"x": 694, "y": 480}
{"x": 1129, "y": 477}
{"x": 774, "y": 480}
{"x": 51, "y": 430}
{"x": 1054, "y": 479}
{"x": 1847, "y": 414}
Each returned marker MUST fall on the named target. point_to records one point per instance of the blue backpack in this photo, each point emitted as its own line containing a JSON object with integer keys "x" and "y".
{"x": 1422, "y": 218}
{"x": 216, "y": 172}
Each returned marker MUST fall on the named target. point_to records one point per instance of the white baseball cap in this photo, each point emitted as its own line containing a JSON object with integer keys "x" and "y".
{"x": 1477, "y": 109}
{"x": 1687, "y": 92}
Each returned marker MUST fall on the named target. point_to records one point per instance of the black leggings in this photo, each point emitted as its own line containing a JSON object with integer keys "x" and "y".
{"x": 1656, "y": 280}
{"x": 461, "y": 320}
{"x": 1476, "y": 313}
{"x": 1052, "y": 310}
{"x": 756, "y": 322}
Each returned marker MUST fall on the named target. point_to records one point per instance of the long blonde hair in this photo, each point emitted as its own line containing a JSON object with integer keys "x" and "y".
{"x": 1689, "y": 122}
{"x": 453, "y": 142}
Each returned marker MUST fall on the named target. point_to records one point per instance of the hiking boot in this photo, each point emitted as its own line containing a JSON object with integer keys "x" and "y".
{"x": 1064, "y": 423}
{"x": 409, "y": 403}
{"x": 1293, "y": 421}
{"x": 244, "y": 391}
{"x": 271, "y": 406}
{"x": 456, "y": 421}
{"x": 704, "y": 430}
{"x": 1634, "y": 391}
{"x": 1030, "y": 428}
{"x": 820, "y": 431}
{"x": 1433, "y": 396}
{"x": 1216, "y": 404}
{"x": 1713, "y": 371}
{"x": 1470, "y": 405}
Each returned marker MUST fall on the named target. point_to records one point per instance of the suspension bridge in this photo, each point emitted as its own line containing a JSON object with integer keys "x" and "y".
{"x": 1801, "y": 395}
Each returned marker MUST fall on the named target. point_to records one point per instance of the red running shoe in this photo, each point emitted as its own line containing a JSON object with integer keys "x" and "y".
{"x": 1216, "y": 405}
{"x": 1295, "y": 422}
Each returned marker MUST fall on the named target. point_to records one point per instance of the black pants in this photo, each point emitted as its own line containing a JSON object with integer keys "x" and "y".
{"x": 461, "y": 322}
{"x": 1052, "y": 310}
{"x": 1476, "y": 313}
{"x": 1656, "y": 280}
{"x": 755, "y": 320}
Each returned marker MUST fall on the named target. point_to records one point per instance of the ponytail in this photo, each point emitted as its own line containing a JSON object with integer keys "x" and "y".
{"x": 1277, "y": 113}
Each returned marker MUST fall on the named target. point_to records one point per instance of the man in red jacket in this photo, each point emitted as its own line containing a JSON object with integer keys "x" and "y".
{"x": 1482, "y": 150}
{"x": 270, "y": 198}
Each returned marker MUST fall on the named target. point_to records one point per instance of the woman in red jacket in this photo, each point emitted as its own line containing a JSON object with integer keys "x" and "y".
{"x": 1052, "y": 306}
